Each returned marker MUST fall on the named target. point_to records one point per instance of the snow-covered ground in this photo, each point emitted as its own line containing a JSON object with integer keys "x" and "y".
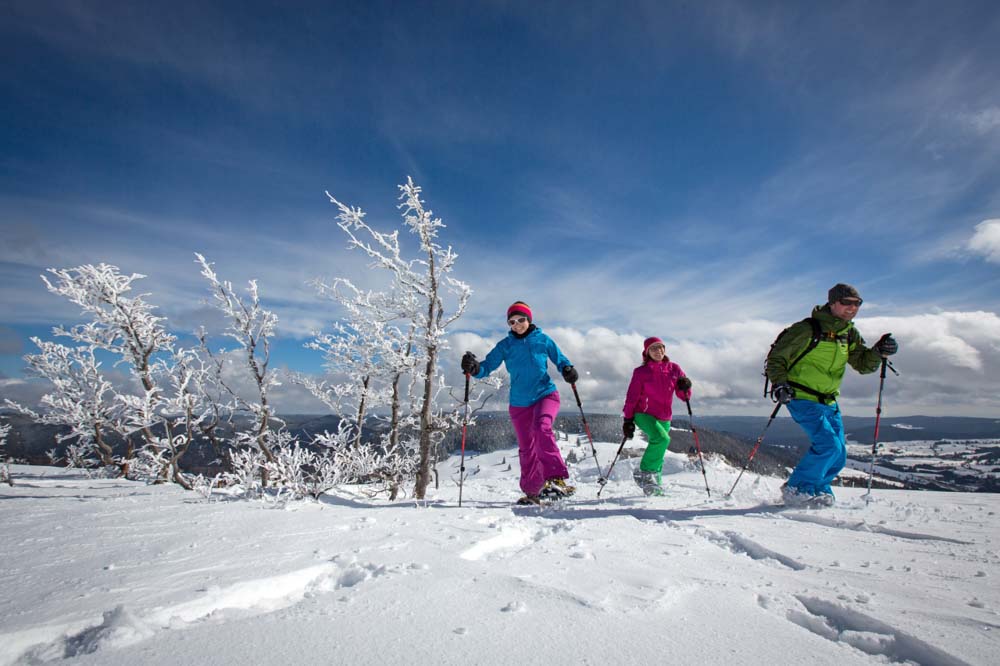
{"x": 967, "y": 464}
{"x": 116, "y": 572}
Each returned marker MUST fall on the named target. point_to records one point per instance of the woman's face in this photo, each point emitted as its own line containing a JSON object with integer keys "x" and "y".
{"x": 518, "y": 323}
{"x": 656, "y": 352}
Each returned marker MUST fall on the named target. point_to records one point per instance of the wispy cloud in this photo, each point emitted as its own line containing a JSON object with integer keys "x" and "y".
{"x": 162, "y": 248}
{"x": 984, "y": 121}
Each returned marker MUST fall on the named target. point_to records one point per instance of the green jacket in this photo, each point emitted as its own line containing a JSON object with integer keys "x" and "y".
{"x": 822, "y": 369}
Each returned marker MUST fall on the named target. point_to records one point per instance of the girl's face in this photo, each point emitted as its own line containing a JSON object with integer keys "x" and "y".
{"x": 518, "y": 323}
{"x": 656, "y": 352}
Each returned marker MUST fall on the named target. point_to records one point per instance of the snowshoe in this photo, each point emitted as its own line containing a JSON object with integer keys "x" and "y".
{"x": 649, "y": 482}
{"x": 823, "y": 500}
{"x": 557, "y": 489}
{"x": 793, "y": 497}
{"x": 653, "y": 490}
{"x": 790, "y": 496}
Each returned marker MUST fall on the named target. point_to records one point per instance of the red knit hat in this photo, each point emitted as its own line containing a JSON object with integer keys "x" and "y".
{"x": 649, "y": 342}
{"x": 519, "y": 307}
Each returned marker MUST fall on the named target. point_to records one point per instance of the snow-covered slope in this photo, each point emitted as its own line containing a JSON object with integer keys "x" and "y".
{"x": 115, "y": 572}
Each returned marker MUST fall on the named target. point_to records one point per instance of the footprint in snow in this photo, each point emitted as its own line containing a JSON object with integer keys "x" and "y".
{"x": 841, "y": 624}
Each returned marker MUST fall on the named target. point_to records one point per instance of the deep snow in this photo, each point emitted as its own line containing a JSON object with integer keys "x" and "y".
{"x": 117, "y": 572}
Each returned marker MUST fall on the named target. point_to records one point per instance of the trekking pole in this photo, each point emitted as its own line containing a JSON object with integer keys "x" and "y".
{"x": 754, "y": 451}
{"x": 694, "y": 431}
{"x": 878, "y": 417}
{"x": 600, "y": 479}
{"x": 465, "y": 425}
{"x": 608, "y": 475}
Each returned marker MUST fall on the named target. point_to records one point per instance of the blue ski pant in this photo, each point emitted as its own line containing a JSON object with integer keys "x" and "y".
{"x": 827, "y": 454}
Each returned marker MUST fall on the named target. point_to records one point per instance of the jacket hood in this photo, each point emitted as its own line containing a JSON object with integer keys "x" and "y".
{"x": 827, "y": 321}
{"x": 531, "y": 330}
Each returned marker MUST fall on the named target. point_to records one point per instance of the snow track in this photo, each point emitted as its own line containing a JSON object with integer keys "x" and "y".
{"x": 863, "y": 526}
{"x": 122, "y": 626}
{"x": 737, "y": 543}
{"x": 842, "y": 624}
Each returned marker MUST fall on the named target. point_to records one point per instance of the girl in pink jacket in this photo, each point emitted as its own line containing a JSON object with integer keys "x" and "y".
{"x": 649, "y": 404}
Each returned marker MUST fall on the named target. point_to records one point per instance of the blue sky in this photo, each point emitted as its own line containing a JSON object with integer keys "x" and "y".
{"x": 701, "y": 173}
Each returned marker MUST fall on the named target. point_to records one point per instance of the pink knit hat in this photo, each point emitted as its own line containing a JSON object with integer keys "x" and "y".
{"x": 647, "y": 343}
{"x": 519, "y": 307}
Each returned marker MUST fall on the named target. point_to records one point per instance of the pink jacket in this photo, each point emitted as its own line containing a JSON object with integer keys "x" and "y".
{"x": 652, "y": 390}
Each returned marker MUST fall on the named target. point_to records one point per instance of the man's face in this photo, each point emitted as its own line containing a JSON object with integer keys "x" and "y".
{"x": 845, "y": 308}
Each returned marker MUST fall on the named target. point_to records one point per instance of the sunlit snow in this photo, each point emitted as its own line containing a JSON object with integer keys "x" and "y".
{"x": 104, "y": 571}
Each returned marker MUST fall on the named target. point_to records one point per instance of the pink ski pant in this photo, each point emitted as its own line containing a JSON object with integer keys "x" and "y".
{"x": 536, "y": 443}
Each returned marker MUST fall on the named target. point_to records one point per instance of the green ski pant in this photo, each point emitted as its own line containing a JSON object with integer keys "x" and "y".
{"x": 658, "y": 435}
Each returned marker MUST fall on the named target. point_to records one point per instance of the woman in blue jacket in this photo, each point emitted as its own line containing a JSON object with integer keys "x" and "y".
{"x": 534, "y": 401}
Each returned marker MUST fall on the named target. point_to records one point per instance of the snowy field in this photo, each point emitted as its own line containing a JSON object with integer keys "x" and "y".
{"x": 965, "y": 464}
{"x": 116, "y": 572}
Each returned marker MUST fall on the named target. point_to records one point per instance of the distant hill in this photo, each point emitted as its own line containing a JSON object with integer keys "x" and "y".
{"x": 862, "y": 429}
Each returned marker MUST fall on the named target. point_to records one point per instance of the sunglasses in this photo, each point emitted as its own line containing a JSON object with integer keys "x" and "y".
{"x": 850, "y": 302}
{"x": 516, "y": 320}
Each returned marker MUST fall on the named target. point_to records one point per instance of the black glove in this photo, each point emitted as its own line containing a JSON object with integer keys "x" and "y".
{"x": 886, "y": 345}
{"x": 570, "y": 374}
{"x": 782, "y": 393}
{"x": 469, "y": 364}
{"x": 628, "y": 428}
{"x": 683, "y": 384}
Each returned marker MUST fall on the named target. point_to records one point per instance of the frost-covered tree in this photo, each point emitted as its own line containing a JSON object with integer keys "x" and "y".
{"x": 187, "y": 410}
{"x": 374, "y": 355}
{"x": 123, "y": 324}
{"x": 252, "y": 326}
{"x": 355, "y": 350}
{"x": 420, "y": 285}
{"x": 371, "y": 351}
{"x": 169, "y": 402}
{"x": 82, "y": 399}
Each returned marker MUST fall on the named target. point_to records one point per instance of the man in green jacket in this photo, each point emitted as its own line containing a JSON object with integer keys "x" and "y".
{"x": 806, "y": 365}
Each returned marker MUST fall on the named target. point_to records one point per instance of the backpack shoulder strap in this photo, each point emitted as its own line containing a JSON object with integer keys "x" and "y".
{"x": 817, "y": 335}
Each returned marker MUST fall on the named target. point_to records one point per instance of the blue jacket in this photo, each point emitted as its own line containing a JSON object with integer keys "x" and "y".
{"x": 526, "y": 360}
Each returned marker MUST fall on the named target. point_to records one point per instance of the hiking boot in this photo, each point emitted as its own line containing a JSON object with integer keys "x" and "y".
{"x": 653, "y": 490}
{"x": 792, "y": 496}
{"x": 823, "y": 500}
{"x": 530, "y": 500}
{"x": 648, "y": 481}
{"x": 558, "y": 488}
{"x": 642, "y": 478}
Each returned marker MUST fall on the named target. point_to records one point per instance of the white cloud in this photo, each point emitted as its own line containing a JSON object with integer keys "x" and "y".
{"x": 986, "y": 240}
